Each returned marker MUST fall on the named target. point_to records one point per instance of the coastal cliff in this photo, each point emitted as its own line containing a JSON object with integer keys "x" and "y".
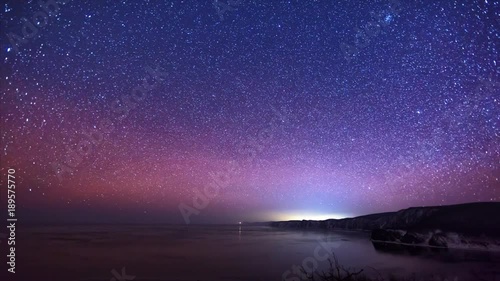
{"x": 472, "y": 225}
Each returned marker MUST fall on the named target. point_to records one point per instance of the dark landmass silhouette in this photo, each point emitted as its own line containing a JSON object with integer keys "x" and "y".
{"x": 470, "y": 225}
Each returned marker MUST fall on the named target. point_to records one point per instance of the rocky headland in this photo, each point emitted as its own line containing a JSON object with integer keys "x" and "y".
{"x": 469, "y": 226}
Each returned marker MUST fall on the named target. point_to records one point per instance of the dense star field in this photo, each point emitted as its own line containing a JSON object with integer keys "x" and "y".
{"x": 127, "y": 111}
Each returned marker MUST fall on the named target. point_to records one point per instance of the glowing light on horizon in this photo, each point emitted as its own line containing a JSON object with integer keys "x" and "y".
{"x": 305, "y": 215}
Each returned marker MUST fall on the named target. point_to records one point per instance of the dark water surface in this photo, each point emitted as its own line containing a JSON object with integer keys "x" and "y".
{"x": 224, "y": 253}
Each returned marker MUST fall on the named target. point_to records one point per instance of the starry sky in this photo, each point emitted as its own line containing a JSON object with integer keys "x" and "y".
{"x": 145, "y": 111}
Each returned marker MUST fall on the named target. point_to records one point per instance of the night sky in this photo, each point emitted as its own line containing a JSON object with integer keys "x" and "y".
{"x": 127, "y": 111}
